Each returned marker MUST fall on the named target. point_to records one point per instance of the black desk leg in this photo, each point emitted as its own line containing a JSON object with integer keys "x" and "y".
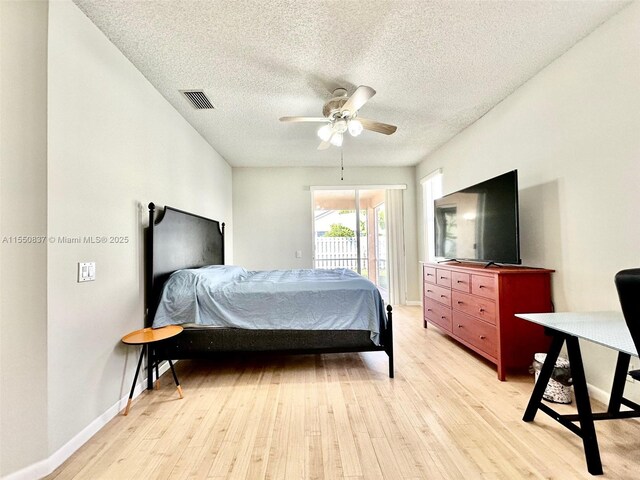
{"x": 619, "y": 378}
{"x": 135, "y": 379}
{"x": 175, "y": 379}
{"x": 585, "y": 415}
{"x": 543, "y": 379}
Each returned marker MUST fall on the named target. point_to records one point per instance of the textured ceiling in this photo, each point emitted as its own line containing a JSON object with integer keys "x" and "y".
{"x": 436, "y": 66}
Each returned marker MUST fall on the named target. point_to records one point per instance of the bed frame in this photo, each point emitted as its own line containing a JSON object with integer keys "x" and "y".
{"x": 176, "y": 239}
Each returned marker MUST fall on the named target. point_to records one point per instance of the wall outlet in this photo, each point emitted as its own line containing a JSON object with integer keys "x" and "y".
{"x": 86, "y": 271}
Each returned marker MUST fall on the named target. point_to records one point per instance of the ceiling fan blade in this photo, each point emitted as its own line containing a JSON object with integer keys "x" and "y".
{"x": 377, "y": 126}
{"x": 324, "y": 145}
{"x": 304, "y": 119}
{"x": 358, "y": 99}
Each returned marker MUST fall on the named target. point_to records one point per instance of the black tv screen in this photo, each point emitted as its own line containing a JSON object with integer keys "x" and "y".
{"x": 480, "y": 223}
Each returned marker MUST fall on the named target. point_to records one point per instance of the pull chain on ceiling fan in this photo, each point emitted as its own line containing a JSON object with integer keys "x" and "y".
{"x": 341, "y": 115}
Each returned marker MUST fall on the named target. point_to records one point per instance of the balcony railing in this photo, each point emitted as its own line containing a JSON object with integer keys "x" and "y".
{"x": 340, "y": 252}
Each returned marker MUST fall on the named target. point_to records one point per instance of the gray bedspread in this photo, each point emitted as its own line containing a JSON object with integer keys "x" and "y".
{"x": 230, "y": 296}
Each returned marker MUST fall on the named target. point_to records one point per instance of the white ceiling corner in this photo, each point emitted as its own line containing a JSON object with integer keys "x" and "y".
{"x": 437, "y": 66}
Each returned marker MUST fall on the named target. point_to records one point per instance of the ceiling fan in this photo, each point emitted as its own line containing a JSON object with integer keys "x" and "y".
{"x": 341, "y": 115}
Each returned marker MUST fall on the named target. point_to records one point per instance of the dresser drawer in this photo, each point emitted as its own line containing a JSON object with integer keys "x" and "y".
{"x": 461, "y": 281}
{"x": 485, "y": 286}
{"x": 438, "y": 314}
{"x": 439, "y": 294}
{"x": 443, "y": 277}
{"x": 475, "y": 306}
{"x": 429, "y": 274}
{"x": 475, "y": 332}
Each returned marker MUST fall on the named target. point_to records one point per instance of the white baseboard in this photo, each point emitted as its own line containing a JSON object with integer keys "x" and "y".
{"x": 48, "y": 465}
{"x": 414, "y": 303}
{"x": 36, "y": 470}
{"x": 598, "y": 394}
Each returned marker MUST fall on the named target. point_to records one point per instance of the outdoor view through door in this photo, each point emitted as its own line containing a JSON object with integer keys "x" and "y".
{"x": 350, "y": 232}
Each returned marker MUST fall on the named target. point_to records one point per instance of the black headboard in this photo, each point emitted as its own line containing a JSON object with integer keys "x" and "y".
{"x": 176, "y": 240}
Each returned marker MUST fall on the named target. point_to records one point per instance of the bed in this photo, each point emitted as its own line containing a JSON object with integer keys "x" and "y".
{"x": 179, "y": 243}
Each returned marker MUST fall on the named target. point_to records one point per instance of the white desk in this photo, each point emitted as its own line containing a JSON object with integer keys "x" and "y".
{"x": 605, "y": 328}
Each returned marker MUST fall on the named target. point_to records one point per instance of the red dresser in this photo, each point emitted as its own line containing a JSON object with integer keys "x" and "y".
{"x": 476, "y": 306}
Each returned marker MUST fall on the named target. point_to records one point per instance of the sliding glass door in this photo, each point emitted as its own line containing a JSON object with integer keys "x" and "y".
{"x": 349, "y": 232}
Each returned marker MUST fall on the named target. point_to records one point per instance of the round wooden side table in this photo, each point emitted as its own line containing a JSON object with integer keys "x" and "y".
{"x": 147, "y": 337}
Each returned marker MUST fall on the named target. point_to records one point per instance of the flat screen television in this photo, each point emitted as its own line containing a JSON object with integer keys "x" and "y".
{"x": 480, "y": 223}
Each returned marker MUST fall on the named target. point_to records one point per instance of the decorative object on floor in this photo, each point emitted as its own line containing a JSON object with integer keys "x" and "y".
{"x": 148, "y": 337}
{"x": 559, "y": 388}
{"x": 341, "y": 116}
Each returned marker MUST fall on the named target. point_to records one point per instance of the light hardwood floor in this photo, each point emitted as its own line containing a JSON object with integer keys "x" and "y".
{"x": 445, "y": 415}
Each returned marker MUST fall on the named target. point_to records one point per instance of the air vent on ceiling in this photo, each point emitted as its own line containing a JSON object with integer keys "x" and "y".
{"x": 198, "y": 99}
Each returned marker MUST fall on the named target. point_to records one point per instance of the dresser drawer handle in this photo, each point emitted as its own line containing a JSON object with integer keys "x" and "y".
{"x": 443, "y": 296}
{"x": 429, "y": 291}
{"x": 429, "y": 274}
{"x": 442, "y": 278}
{"x": 481, "y": 286}
{"x": 459, "y": 326}
{"x": 429, "y": 310}
{"x": 459, "y": 281}
{"x": 459, "y": 302}
{"x": 443, "y": 317}
{"x": 482, "y": 337}
{"x": 481, "y": 310}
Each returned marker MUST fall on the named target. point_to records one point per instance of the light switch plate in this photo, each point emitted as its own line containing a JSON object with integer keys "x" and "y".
{"x": 86, "y": 271}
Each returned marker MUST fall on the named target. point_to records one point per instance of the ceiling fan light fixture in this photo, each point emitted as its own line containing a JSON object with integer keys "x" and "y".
{"x": 325, "y": 132}
{"x": 340, "y": 126}
{"x": 341, "y": 114}
{"x": 355, "y": 127}
{"x": 336, "y": 139}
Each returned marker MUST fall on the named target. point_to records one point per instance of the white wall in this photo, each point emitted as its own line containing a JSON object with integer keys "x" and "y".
{"x": 572, "y": 133}
{"x": 272, "y": 216}
{"x": 83, "y": 152}
{"x": 23, "y": 198}
{"x": 114, "y": 144}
